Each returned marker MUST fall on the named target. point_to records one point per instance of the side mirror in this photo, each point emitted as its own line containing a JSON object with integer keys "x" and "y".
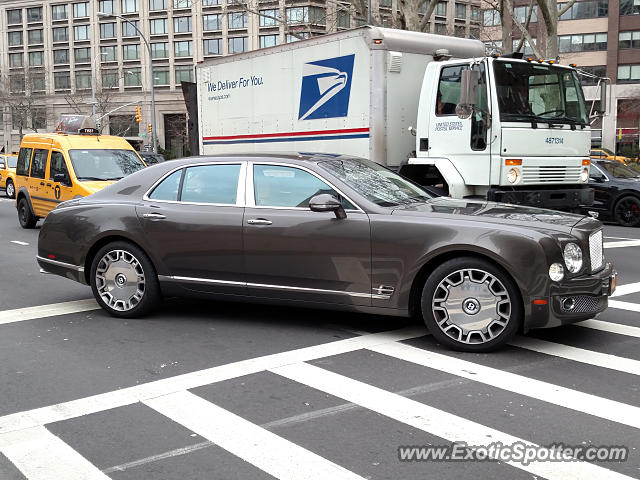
{"x": 603, "y": 98}
{"x": 327, "y": 203}
{"x": 596, "y": 177}
{"x": 60, "y": 178}
{"x": 468, "y": 93}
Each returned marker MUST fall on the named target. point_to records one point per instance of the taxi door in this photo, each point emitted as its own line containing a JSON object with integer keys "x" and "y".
{"x": 59, "y": 191}
{"x": 38, "y": 190}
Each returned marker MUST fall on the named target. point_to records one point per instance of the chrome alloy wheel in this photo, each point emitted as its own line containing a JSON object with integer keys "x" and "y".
{"x": 120, "y": 280}
{"x": 471, "y": 306}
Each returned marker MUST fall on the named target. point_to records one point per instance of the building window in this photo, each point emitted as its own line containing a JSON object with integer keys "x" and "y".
{"x": 237, "y": 20}
{"x": 109, "y": 54}
{"x": 182, "y": 25}
{"x": 344, "y": 19}
{"x": 582, "y": 43}
{"x": 16, "y": 60}
{"x": 629, "y": 7}
{"x": 129, "y": 30}
{"x": 385, "y": 3}
{"x": 628, "y": 73}
{"x": 83, "y": 79}
{"x": 34, "y": 14}
{"x": 526, "y": 48}
{"x": 131, "y": 52}
{"x": 441, "y": 9}
{"x": 16, "y": 83}
{"x": 629, "y": 39}
{"x": 158, "y": 26}
{"x": 61, "y": 34}
{"x": 461, "y": 10}
{"x": 107, "y": 6}
{"x": 440, "y": 28}
{"x": 35, "y": 37}
{"x": 521, "y": 14}
{"x": 184, "y": 73}
{"x": 210, "y": 3}
{"x": 81, "y": 32}
{"x": 82, "y": 55}
{"x": 183, "y": 49}
{"x": 160, "y": 50}
{"x": 161, "y": 76}
{"x": 588, "y": 9}
{"x": 491, "y": 18}
{"x": 62, "y": 80}
{"x": 211, "y": 22}
{"x": 61, "y": 57}
{"x": 108, "y": 30}
{"x": 38, "y": 83}
{"x": 459, "y": 31}
{"x": 269, "y": 18}
{"x": 597, "y": 70}
{"x": 157, "y": 5}
{"x": 39, "y": 118}
{"x": 129, "y": 6}
{"x": 294, "y": 38}
{"x": 181, "y": 4}
{"x": 212, "y": 46}
{"x": 110, "y": 79}
{"x": 132, "y": 77}
{"x": 237, "y": 44}
{"x": 14, "y": 17}
{"x": 36, "y": 59}
{"x": 15, "y": 38}
{"x": 476, "y": 14}
{"x": 269, "y": 40}
{"x": 314, "y": 15}
{"x": 81, "y": 10}
{"x": 474, "y": 33}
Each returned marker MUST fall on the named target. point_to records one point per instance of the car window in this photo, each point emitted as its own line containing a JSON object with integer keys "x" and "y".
{"x": 24, "y": 159}
{"x": 620, "y": 171}
{"x": 2, "y": 166}
{"x": 596, "y": 153}
{"x": 595, "y": 172}
{"x": 211, "y": 184}
{"x": 12, "y": 161}
{"x": 278, "y": 186}
{"x": 58, "y": 165}
{"x": 169, "y": 188}
{"x": 39, "y": 163}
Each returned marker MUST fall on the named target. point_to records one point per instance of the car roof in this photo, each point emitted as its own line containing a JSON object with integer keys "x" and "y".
{"x": 66, "y": 141}
{"x": 287, "y": 157}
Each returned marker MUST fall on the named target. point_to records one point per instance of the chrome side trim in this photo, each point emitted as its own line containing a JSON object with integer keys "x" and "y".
{"x": 61, "y": 264}
{"x": 174, "y": 278}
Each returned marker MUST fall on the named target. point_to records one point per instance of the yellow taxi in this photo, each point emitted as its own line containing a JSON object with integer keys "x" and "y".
{"x": 606, "y": 154}
{"x": 8, "y": 174}
{"x": 73, "y": 162}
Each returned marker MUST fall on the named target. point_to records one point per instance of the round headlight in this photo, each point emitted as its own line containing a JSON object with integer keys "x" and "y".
{"x": 573, "y": 257}
{"x": 556, "y": 272}
{"x": 584, "y": 175}
{"x": 513, "y": 175}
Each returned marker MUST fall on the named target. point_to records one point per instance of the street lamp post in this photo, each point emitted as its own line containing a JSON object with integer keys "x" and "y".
{"x": 154, "y": 138}
{"x": 93, "y": 85}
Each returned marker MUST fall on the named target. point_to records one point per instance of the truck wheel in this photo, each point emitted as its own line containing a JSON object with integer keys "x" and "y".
{"x": 25, "y": 217}
{"x": 471, "y": 305}
{"x": 10, "y": 190}
{"x": 124, "y": 281}
{"x": 627, "y": 211}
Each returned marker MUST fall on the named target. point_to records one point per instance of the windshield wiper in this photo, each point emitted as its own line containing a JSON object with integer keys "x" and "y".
{"x": 113, "y": 178}
{"x": 97, "y": 179}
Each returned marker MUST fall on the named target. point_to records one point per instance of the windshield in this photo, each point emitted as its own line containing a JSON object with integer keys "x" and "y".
{"x": 376, "y": 183}
{"x": 104, "y": 164}
{"x": 619, "y": 171}
{"x": 12, "y": 162}
{"x": 607, "y": 151}
{"x": 540, "y": 93}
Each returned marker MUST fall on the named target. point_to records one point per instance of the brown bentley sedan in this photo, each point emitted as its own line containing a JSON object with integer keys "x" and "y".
{"x": 328, "y": 231}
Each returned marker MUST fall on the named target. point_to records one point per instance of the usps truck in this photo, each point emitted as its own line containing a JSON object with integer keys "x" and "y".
{"x": 521, "y": 134}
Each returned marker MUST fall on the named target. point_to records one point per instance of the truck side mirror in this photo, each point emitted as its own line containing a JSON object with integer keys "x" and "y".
{"x": 468, "y": 93}
{"x": 602, "y": 110}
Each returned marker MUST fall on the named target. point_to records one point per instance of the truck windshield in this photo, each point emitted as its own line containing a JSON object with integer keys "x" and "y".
{"x": 378, "y": 184}
{"x": 104, "y": 164}
{"x": 533, "y": 92}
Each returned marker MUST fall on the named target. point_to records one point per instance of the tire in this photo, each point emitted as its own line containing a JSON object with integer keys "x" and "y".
{"x": 26, "y": 218}
{"x": 124, "y": 281}
{"x": 468, "y": 290}
{"x": 10, "y": 189}
{"x": 626, "y": 211}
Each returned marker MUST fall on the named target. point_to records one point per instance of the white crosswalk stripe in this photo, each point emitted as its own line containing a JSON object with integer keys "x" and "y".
{"x": 611, "y": 327}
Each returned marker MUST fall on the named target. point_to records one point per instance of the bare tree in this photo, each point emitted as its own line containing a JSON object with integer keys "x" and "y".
{"x": 550, "y": 13}
{"x": 24, "y": 95}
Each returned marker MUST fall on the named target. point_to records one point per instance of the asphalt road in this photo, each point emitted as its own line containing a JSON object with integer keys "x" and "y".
{"x": 205, "y": 390}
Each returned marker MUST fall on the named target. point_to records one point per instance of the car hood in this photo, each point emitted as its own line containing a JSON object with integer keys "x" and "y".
{"x": 493, "y": 212}
{"x": 95, "y": 186}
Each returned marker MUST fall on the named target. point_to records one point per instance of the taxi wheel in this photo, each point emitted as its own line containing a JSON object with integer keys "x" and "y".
{"x": 10, "y": 189}
{"x": 124, "y": 281}
{"x": 26, "y": 218}
{"x": 471, "y": 305}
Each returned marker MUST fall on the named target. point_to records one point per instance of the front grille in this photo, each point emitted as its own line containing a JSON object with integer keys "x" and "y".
{"x": 595, "y": 250}
{"x": 584, "y": 304}
{"x": 550, "y": 174}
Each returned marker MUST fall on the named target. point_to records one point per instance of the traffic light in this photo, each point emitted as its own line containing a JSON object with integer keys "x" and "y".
{"x": 138, "y": 114}
{"x": 149, "y": 128}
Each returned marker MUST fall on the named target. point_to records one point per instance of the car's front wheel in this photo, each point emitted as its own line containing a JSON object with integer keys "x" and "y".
{"x": 472, "y": 305}
{"x": 124, "y": 281}
{"x": 627, "y": 211}
{"x": 26, "y": 218}
{"x": 10, "y": 189}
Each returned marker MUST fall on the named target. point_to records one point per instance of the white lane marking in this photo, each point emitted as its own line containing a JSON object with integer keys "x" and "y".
{"x": 603, "y": 360}
{"x": 434, "y": 421}
{"x": 547, "y": 392}
{"x": 621, "y": 238}
{"x": 40, "y": 455}
{"x": 259, "y": 447}
{"x": 130, "y": 395}
{"x": 51, "y": 310}
{"x": 618, "y": 328}
{"x": 633, "y": 307}
{"x": 622, "y": 244}
{"x": 626, "y": 289}
{"x": 18, "y": 242}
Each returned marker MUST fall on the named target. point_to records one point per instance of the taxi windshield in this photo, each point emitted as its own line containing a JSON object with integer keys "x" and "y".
{"x": 102, "y": 165}
{"x": 12, "y": 162}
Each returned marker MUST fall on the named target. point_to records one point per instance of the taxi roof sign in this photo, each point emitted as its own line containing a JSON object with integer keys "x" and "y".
{"x": 80, "y": 124}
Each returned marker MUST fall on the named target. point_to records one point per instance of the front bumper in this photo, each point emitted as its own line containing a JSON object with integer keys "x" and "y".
{"x": 554, "y": 197}
{"x": 573, "y": 300}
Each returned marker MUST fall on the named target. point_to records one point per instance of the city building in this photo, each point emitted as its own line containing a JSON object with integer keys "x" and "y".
{"x": 55, "y": 54}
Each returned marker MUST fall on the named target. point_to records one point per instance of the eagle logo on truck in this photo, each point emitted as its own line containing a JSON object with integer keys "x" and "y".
{"x": 326, "y": 88}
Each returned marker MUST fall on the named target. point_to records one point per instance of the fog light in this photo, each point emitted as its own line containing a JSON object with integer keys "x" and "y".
{"x": 556, "y": 272}
{"x": 584, "y": 175}
{"x": 568, "y": 304}
{"x": 513, "y": 175}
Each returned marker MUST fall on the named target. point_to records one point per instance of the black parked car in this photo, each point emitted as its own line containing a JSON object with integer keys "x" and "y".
{"x": 617, "y": 192}
{"x": 328, "y": 231}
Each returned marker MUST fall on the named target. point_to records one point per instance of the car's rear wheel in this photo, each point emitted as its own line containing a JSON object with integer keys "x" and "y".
{"x": 10, "y": 189}
{"x": 627, "y": 211}
{"x": 472, "y": 305}
{"x": 26, "y": 218}
{"x": 124, "y": 281}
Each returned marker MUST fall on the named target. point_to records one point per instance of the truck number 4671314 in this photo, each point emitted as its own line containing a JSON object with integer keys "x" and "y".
{"x": 554, "y": 140}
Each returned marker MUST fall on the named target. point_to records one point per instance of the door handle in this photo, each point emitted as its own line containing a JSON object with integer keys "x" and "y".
{"x": 42, "y": 183}
{"x": 154, "y": 216}
{"x": 48, "y": 184}
{"x": 259, "y": 221}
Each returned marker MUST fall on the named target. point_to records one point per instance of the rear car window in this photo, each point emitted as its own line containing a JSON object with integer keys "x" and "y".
{"x": 24, "y": 160}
